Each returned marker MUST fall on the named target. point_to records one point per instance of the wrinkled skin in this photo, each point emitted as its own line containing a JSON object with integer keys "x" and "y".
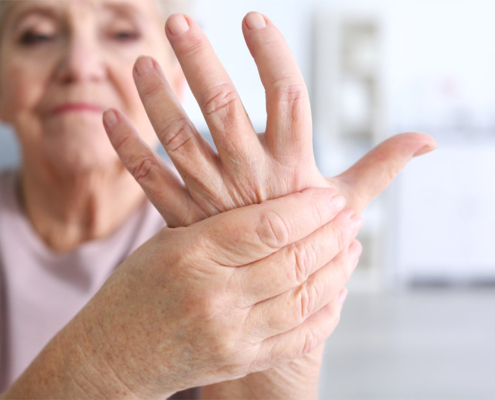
{"x": 240, "y": 292}
{"x": 249, "y": 168}
{"x": 231, "y": 299}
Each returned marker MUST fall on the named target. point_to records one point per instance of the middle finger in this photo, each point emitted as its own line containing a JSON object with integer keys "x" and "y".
{"x": 213, "y": 89}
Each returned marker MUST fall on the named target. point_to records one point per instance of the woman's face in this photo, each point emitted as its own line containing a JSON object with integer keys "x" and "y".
{"x": 62, "y": 62}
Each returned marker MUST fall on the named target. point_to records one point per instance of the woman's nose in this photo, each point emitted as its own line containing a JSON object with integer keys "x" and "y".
{"x": 81, "y": 60}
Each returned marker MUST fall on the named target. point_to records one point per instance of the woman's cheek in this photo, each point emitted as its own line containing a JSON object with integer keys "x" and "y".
{"x": 22, "y": 88}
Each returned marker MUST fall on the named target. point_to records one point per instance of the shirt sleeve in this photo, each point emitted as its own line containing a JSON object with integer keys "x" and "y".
{"x": 3, "y": 333}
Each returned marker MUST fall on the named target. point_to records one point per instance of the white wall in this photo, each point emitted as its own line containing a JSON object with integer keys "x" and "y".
{"x": 439, "y": 55}
{"x": 222, "y": 19}
{"x": 439, "y": 58}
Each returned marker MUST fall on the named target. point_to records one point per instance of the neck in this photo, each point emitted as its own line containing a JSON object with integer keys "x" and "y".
{"x": 67, "y": 211}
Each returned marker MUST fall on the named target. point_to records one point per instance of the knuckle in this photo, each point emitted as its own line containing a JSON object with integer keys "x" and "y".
{"x": 287, "y": 90}
{"x": 343, "y": 269}
{"x": 267, "y": 42}
{"x": 191, "y": 46}
{"x": 292, "y": 98}
{"x": 120, "y": 145}
{"x": 310, "y": 342}
{"x": 143, "y": 169}
{"x": 304, "y": 258}
{"x": 235, "y": 370}
{"x": 221, "y": 346}
{"x": 306, "y": 296}
{"x": 272, "y": 230}
{"x": 319, "y": 212}
{"x": 228, "y": 350}
{"x": 151, "y": 87}
{"x": 219, "y": 98}
{"x": 340, "y": 235}
{"x": 221, "y": 105}
{"x": 224, "y": 347}
{"x": 176, "y": 135}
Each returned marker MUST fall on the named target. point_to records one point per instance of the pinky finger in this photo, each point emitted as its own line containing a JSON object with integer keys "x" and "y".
{"x": 300, "y": 341}
{"x": 161, "y": 185}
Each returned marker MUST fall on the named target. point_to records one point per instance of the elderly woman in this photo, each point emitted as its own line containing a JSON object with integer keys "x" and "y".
{"x": 239, "y": 292}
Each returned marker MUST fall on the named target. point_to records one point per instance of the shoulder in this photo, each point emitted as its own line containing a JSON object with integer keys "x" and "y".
{"x": 7, "y": 186}
{"x": 7, "y": 175}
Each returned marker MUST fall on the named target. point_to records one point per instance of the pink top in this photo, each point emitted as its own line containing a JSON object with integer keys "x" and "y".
{"x": 40, "y": 290}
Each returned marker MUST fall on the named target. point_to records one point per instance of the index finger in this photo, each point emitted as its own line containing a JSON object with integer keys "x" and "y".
{"x": 242, "y": 236}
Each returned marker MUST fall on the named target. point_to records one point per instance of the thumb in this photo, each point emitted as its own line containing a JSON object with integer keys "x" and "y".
{"x": 366, "y": 179}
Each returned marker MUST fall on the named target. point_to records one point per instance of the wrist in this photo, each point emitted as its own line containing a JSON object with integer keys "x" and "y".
{"x": 298, "y": 379}
{"x": 71, "y": 366}
{"x": 64, "y": 369}
{"x": 109, "y": 362}
{"x": 89, "y": 364}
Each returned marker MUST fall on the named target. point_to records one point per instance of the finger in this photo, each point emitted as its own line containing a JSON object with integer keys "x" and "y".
{"x": 161, "y": 185}
{"x": 292, "y": 308}
{"x": 191, "y": 154}
{"x": 300, "y": 341}
{"x": 213, "y": 89}
{"x": 375, "y": 171}
{"x": 242, "y": 236}
{"x": 289, "y": 126}
{"x": 294, "y": 264}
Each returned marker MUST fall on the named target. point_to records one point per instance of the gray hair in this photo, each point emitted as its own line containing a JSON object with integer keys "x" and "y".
{"x": 167, "y": 7}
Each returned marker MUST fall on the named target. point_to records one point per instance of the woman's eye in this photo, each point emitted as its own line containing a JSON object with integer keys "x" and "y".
{"x": 32, "y": 38}
{"x": 126, "y": 36}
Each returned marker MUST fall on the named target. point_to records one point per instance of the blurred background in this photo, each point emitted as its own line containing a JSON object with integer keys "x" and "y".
{"x": 419, "y": 322}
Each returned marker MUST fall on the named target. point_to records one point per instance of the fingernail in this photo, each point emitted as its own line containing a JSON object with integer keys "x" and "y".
{"x": 338, "y": 202}
{"x": 143, "y": 65}
{"x": 109, "y": 118}
{"x": 255, "y": 21}
{"x": 357, "y": 223}
{"x": 424, "y": 150}
{"x": 355, "y": 249}
{"x": 177, "y": 24}
{"x": 342, "y": 296}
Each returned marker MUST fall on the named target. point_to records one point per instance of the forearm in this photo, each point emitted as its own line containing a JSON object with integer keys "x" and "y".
{"x": 66, "y": 368}
{"x": 297, "y": 380}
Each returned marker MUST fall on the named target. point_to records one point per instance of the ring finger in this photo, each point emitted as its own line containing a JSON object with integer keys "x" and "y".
{"x": 292, "y": 308}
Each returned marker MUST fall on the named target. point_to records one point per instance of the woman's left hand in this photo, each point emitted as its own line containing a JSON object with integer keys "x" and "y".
{"x": 248, "y": 168}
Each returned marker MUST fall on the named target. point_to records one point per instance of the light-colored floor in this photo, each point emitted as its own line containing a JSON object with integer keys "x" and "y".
{"x": 424, "y": 344}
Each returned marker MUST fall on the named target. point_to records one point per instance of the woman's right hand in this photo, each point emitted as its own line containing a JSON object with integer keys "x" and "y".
{"x": 237, "y": 293}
